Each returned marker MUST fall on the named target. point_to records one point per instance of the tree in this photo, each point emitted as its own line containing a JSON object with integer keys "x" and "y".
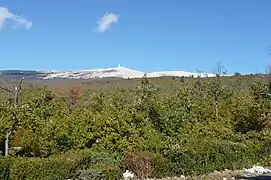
{"x": 145, "y": 98}
{"x": 237, "y": 74}
{"x": 13, "y": 90}
{"x": 74, "y": 94}
{"x": 46, "y": 122}
{"x": 216, "y": 85}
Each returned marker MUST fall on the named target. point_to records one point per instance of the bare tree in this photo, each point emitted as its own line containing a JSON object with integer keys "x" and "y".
{"x": 268, "y": 72}
{"x": 268, "y": 69}
{"x": 14, "y": 91}
{"x": 216, "y": 89}
{"x": 220, "y": 69}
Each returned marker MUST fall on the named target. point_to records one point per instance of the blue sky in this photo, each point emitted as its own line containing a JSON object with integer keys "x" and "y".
{"x": 146, "y": 35}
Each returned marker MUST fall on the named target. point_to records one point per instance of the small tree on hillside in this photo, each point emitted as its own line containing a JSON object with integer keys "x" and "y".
{"x": 237, "y": 74}
{"x": 216, "y": 87}
{"x": 145, "y": 99}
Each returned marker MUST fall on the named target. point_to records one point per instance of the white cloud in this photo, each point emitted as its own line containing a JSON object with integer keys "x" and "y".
{"x": 5, "y": 15}
{"x": 106, "y": 21}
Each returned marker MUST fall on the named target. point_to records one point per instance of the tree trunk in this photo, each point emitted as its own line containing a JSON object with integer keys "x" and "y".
{"x": 14, "y": 120}
{"x": 6, "y": 143}
{"x": 216, "y": 105}
{"x": 216, "y": 109}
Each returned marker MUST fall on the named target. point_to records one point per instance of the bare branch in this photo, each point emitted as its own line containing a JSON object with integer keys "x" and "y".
{"x": 20, "y": 84}
{"x": 8, "y": 87}
{"x": 5, "y": 89}
{"x": 5, "y": 85}
{"x": 220, "y": 69}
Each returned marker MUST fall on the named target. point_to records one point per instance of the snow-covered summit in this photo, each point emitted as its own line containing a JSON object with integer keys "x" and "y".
{"x": 118, "y": 72}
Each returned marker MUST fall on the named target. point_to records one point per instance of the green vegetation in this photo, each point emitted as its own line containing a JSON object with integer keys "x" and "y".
{"x": 155, "y": 127}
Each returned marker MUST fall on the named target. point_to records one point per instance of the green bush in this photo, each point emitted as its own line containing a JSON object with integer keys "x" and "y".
{"x": 94, "y": 163}
{"x": 162, "y": 167}
{"x": 38, "y": 168}
{"x": 99, "y": 171}
{"x": 109, "y": 171}
{"x": 204, "y": 156}
{"x": 74, "y": 164}
{"x": 4, "y": 168}
{"x": 88, "y": 157}
{"x": 266, "y": 161}
{"x": 89, "y": 174}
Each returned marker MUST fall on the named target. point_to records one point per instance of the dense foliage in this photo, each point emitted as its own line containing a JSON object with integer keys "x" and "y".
{"x": 179, "y": 126}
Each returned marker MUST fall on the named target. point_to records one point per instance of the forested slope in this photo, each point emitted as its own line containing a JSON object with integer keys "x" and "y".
{"x": 155, "y": 127}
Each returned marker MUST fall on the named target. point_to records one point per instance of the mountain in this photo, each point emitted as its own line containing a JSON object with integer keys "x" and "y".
{"x": 118, "y": 72}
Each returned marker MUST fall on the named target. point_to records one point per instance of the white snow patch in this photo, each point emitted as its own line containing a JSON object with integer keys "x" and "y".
{"x": 179, "y": 74}
{"x": 128, "y": 175}
{"x": 257, "y": 170}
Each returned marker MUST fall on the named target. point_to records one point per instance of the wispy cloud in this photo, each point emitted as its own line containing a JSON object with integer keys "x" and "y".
{"x": 106, "y": 21}
{"x": 5, "y": 15}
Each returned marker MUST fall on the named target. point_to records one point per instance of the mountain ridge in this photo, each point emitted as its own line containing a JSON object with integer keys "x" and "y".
{"x": 117, "y": 72}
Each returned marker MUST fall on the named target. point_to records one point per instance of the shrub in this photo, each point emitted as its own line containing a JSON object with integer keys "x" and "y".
{"x": 87, "y": 157}
{"x": 147, "y": 164}
{"x": 99, "y": 171}
{"x": 204, "y": 156}
{"x": 162, "y": 167}
{"x": 38, "y": 168}
{"x": 89, "y": 174}
{"x": 266, "y": 161}
{"x": 109, "y": 171}
{"x": 251, "y": 118}
{"x": 94, "y": 163}
{"x": 140, "y": 163}
{"x": 4, "y": 168}
{"x": 74, "y": 164}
